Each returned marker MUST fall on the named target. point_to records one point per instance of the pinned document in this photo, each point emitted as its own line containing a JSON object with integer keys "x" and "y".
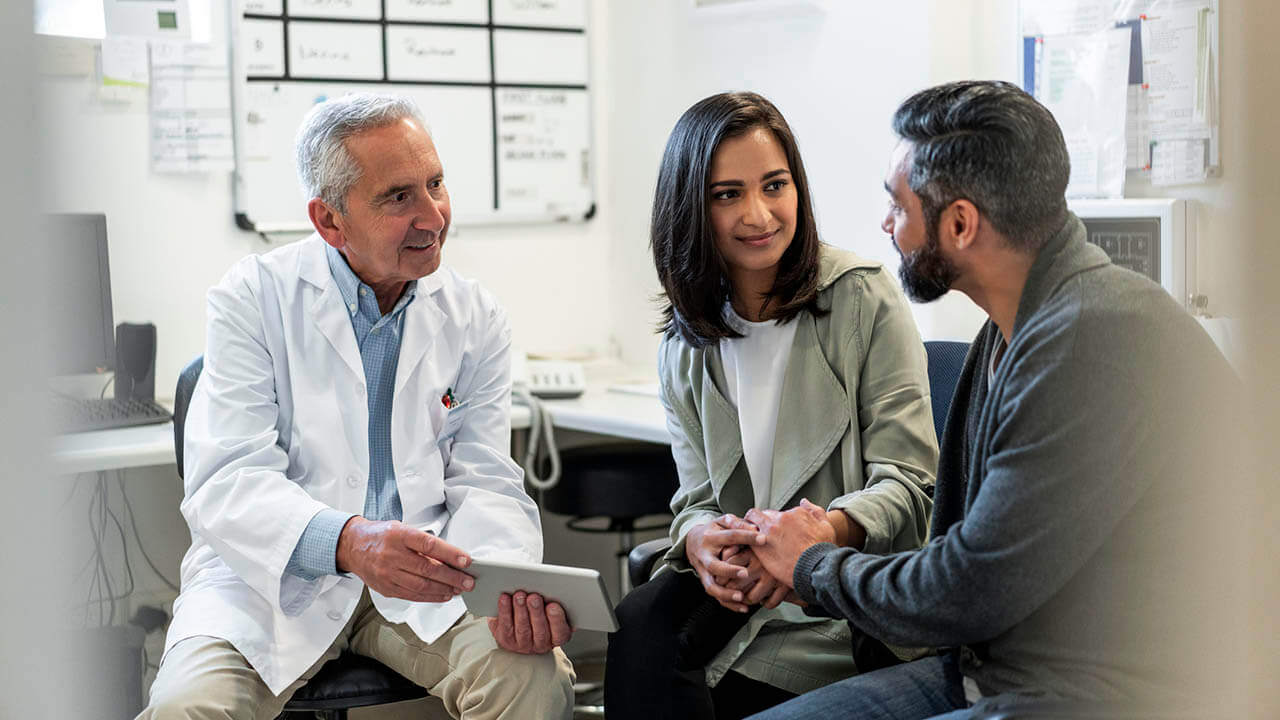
{"x": 1083, "y": 82}
{"x": 1178, "y": 162}
{"x": 124, "y": 69}
{"x": 1171, "y": 96}
{"x": 1176, "y": 65}
{"x": 1137, "y": 130}
{"x": 1065, "y": 17}
{"x": 190, "y": 108}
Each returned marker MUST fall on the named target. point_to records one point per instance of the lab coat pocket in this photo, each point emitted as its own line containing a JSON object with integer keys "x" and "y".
{"x": 452, "y": 422}
{"x": 421, "y": 487}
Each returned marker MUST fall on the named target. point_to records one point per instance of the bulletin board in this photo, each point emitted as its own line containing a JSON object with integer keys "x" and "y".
{"x": 502, "y": 85}
{"x": 1133, "y": 84}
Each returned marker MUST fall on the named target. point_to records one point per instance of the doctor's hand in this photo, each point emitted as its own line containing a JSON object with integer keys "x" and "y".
{"x": 704, "y": 546}
{"x": 788, "y": 534}
{"x": 527, "y": 625}
{"x": 404, "y": 562}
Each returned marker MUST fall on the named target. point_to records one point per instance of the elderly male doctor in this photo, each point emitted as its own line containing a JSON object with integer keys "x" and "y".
{"x": 347, "y": 453}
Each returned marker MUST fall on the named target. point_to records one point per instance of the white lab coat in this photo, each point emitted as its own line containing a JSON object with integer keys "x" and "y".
{"x": 278, "y": 430}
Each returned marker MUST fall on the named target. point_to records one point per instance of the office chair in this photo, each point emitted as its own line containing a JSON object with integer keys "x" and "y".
{"x": 618, "y": 483}
{"x": 946, "y": 358}
{"x": 346, "y": 682}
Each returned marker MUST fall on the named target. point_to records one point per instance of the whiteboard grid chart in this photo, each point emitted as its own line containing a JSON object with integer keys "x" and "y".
{"x": 525, "y": 62}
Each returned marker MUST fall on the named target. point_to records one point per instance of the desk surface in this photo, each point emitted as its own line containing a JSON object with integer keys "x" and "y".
{"x": 129, "y": 447}
{"x": 598, "y": 410}
{"x": 604, "y": 411}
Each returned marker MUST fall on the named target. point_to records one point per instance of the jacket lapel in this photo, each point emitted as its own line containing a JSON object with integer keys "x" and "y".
{"x": 810, "y": 423}
{"x": 423, "y": 319}
{"x": 329, "y": 311}
{"x": 721, "y": 434}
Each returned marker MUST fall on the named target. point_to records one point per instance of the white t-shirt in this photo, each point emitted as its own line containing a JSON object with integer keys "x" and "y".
{"x": 754, "y": 368}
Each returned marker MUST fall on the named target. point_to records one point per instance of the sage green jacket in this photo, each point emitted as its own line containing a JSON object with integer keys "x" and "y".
{"x": 855, "y": 432}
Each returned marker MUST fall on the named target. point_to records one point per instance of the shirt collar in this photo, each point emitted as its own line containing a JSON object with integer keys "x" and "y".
{"x": 349, "y": 284}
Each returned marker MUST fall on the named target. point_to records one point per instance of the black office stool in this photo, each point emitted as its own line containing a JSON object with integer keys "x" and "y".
{"x": 617, "y": 484}
{"x": 346, "y": 682}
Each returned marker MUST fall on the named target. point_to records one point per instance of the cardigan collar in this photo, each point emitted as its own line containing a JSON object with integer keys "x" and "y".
{"x": 1065, "y": 255}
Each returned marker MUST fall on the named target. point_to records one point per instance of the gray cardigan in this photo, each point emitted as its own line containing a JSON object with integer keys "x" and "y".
{"x": 1066, "y": 496}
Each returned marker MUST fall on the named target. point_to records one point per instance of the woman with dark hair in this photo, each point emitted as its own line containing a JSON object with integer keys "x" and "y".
{"x": 791, "y": 371}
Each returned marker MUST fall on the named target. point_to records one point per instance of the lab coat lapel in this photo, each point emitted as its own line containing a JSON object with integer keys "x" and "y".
{"x": 813, "y": 415}
{"x": 329, "y": 310}
{"x": 423, "y": 319}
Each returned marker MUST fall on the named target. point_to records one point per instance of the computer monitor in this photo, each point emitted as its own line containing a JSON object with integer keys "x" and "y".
{"x": 1151, "y": 236}
{"x": 82, "y": 336}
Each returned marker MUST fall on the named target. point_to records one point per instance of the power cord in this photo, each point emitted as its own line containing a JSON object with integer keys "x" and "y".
{"x": 541, "y": 430}
{"x": 133, "y": 522}
{"x": 101, "y": 590}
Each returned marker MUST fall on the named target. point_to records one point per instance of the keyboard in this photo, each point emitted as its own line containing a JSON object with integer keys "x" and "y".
{"x": 82, "y": 414}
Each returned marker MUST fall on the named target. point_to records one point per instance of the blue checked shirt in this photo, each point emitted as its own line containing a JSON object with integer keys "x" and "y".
{"x": 378, "y": 336}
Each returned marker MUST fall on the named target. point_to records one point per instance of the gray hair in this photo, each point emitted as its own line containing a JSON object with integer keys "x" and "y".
{"x": 994, "y": 145}
{"x": 325, "y": 168}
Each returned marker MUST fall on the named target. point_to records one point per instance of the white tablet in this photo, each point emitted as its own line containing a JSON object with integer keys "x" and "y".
{"x": 580, "y": 591}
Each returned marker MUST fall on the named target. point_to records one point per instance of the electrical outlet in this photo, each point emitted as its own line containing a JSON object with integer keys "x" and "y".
{"x": 153, "y": 643}
{"x": 162, "y": 599}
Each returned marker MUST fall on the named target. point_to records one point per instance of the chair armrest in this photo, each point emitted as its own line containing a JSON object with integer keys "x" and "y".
{"x": 643, "y": 557}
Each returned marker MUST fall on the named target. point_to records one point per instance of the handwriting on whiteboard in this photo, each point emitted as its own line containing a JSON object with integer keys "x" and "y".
{"x": 438, "y": 54}
{"x": 339, "y": 9}
{"x": 335, "y": 50}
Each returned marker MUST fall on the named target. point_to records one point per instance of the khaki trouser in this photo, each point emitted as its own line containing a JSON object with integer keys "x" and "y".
{"x": 205, "y": 677}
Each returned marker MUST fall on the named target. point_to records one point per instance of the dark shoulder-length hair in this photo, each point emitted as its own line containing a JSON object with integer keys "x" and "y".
{"x": 694, "y": 278}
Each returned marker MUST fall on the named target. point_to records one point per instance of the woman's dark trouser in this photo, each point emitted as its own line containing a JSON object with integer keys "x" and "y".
{"x": 668, "y": 630}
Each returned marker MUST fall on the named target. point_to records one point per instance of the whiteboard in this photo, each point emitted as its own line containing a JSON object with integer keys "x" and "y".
{"x": 502, "y": 85}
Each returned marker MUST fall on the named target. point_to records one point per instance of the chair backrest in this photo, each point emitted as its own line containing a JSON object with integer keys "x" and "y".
{"x": 181, "y": 399}
{"x": 946, "y": 358}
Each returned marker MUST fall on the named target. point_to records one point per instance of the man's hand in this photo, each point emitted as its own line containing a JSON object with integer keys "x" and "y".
{"x": 787, "y": 535}
{"x": 704, "y": 545}
{"x": 525, "y": 626}
{"x": 760, "y": 587}
{"x": 402, "y": 562}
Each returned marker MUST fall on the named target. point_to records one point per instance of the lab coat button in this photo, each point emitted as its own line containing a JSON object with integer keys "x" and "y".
{"x": 335, "y": 615}
{"x": 351, "y": 480}
{"x": 410, "y": 473}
